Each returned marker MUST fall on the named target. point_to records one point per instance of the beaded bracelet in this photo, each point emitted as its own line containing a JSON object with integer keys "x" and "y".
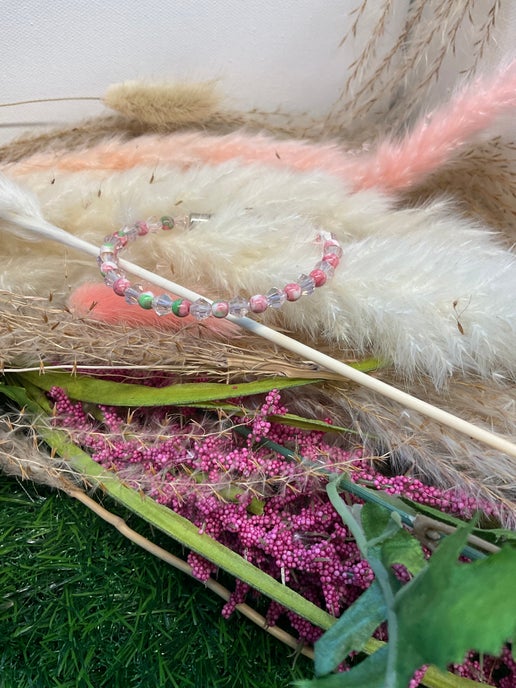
{"x": 200, "y": 309}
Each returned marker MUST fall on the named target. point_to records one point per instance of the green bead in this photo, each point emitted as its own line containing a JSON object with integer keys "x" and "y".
{"x": 167, "y": 221}
{"x": 145, "y": 300}
{"x": 176, "y": 306}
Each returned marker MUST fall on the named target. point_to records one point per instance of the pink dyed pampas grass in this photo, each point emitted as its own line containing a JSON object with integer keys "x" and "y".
{"x": 391, "y": 165}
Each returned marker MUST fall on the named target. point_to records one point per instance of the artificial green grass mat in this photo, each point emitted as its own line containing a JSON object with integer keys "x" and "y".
{"x": 82, "y": 607}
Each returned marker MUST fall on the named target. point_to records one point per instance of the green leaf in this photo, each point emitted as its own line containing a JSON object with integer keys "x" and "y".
{"x": 16, "y": 394}
{"x": 400, "y": 547}
{"x": 351, "y": 631}
{"x": 451, "y": 608}
{"x": 378, "y": 496}
{"x": 308, "y": 424}
{"x": 97, "y": 391}
{"x": 368, "y": 674}
{"x": 489, "y": 534}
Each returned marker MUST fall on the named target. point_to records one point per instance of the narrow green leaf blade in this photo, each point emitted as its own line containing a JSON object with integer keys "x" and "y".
{"x": 309, "y": 424}
{"x": 351, "y": 631}
{"x": 97, "y": 391}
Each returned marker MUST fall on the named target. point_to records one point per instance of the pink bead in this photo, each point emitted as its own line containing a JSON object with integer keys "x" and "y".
{"x": 108, "y": 266}
{"x": 293, "y": 291}
{"x": 258, "y": 303}
{"x": 142, "y": 228}
{"x": 319, "y": 277}
{"x": 121, "y": 285}
{"x": 332, "y": 259}
{"x": 184, "y": 308}
{"x": 220, "y": 309}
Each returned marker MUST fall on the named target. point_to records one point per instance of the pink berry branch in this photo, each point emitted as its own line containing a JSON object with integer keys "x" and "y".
{"x": 22, "y": 215}
{"x": 14, "y": 461}
{"x": 183, "y": 530}
{"x": 429, "y": 531}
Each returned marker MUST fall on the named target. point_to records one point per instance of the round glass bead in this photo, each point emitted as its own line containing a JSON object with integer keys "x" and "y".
{"x": 120, "y": 285}
{"x": 239, "y": 307}
{"x": 107, "y": 266}
{"x": 332, "y": 259}
{"x": 181, "y": 307}
{"x": 200, "y": 309}
{"x": 276, "y": 297}
{"x": 162, "y": 304}
{"x": 292, "y": 291}
{"x": 258, "y": 303}
{"x": 307, "y": 284}
{"x": 319, "y": 277}
{"x": 220, "y": 309}
{"x": 132, "y": 294}
{"x": 167, "y": 222}
{"x": 145, "y": 300}
{"x": 122, "y": 241}
{"x": 142, "y": 228}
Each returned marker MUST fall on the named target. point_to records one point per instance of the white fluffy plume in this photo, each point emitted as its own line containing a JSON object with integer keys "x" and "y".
{"x": 422, "y": 288}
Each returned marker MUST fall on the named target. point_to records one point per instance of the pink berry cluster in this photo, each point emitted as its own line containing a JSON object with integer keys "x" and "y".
{"x": 270, "y": 508}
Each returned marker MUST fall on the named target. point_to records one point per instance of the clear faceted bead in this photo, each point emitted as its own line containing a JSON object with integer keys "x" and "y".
{"x": 153, "y": 224}
{"x": 181, "y": 222}
{"x": 325, "y": 236}
{"x": 327, "y": 268}
{"x": 335, "y": 249}
{"x": 307, "y": 284}
{"x": 106, "y": 255}
{"x": 128, "y": 232}
{"x": 132, "y": 294}
{"x": 200, "y": 309}
{"x": 162, "y": 304}
{"x": 112, "y": 276}
{"x": 239, "y": 307}
{"x": 276, "y": 297}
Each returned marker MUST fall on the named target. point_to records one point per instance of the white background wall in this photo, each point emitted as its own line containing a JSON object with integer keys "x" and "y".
{"x": 265, "y": 53}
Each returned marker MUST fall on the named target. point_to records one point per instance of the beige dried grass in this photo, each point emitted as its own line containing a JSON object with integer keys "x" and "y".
{"x": 38, "y": 333}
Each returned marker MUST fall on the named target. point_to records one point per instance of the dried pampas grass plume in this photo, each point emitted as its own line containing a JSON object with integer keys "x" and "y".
{"x": 161, "y": 105}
